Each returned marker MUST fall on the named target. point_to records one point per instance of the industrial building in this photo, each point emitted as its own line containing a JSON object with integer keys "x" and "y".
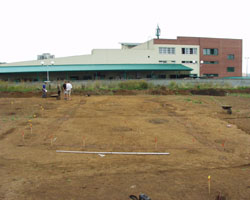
{"x": 156, "y": 58}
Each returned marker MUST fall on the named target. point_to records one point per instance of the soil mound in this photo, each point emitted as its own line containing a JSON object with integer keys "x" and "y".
{"x": 210, "y": 92}
{"x": 19, "y": 94}
{"x": 161, "y": 92}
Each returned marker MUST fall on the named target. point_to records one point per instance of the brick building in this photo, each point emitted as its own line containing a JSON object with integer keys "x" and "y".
{"x": 217, "y": 57}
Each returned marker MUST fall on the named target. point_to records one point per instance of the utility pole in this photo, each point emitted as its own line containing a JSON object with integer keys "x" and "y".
{"x": 51, "y": 63}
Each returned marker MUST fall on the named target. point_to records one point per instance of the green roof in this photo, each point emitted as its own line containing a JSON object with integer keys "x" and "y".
{"x": 95, "y": 67}
{"x": 238, "y": 77}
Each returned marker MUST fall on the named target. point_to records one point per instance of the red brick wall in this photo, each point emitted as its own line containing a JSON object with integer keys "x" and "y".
{"x": 224, "y": 46}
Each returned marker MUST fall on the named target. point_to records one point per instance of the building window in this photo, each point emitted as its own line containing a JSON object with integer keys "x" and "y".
{"x": 163, "y": 61}
{"x": 189, "y": 61}
{"x": 211, "y": 75}
{"x": 211, "y": 62}
{"x": 162, "y": 76}
{"x": 230, "y": 56}
{"x": 166, "y": 50}
{"x": 173, "y": 61}
{"x": 210, "y": 52}
{"x": 230, "y": 69}
{"x": 87, "y": 77}
{"x": 189, "y": 50}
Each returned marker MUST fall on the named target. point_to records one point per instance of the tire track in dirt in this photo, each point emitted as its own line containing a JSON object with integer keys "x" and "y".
{"x": 67, "y": 113}
{"x": 199, "y": 135}
{"x": 192, "y": 129}
{"x": 4, "y": 135}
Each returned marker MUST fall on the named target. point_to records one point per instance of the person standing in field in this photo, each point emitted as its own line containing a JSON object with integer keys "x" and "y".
{"x": 58, "y": 91}
{"x": 44, "y": 91}
{"x": 64, "y": 90}
{"x": 68, "y": 90}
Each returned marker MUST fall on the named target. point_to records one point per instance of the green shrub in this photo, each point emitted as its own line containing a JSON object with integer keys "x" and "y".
{"x": 133, "y": 85}
{"x": 173, "y": 85}
{"x": 17, "y": 87}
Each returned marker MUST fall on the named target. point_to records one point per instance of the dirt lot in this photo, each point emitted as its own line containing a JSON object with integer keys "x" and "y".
{"x": 202, "y": 140}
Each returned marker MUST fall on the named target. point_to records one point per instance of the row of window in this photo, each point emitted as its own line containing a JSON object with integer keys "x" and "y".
{"x": 189, "y": 51}
{"x": 171, "y": 76}
{"x": 173, "y": 61}
{"x": 211, "y": 62}
{"x": 167, "y": 61}
{"x": 206, "y": 51}
{"x": 171, "y": 50}
{"x": 229, "y": 69}
{"x": 189, "y": 61}
{"x": 166, "y": 50}
{"x": 211, "y": 75}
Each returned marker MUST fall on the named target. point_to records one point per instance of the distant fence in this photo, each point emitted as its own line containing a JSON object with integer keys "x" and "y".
{"x": 229, "y": 82}
{"x": 164, "y": 82}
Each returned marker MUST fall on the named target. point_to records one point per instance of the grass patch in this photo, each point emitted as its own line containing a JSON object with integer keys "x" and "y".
{"x": 109, "y": 87}
{"x": 198, "y": 86}
{"x": 197, "y": 102}
{"x": 193, "y": 101}
{"x": 239, "y": 95}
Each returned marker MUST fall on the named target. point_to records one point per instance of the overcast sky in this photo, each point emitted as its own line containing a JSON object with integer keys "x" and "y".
{"x": 75, "y": 27}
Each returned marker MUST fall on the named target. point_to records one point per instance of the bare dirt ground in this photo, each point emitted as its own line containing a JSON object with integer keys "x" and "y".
{"x": 202, "y": 140}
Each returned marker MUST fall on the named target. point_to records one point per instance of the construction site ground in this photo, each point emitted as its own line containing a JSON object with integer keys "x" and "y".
{"x": 202, "y": 139}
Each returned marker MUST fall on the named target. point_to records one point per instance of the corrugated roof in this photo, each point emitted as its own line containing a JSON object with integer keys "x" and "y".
{"x": 95, "y": 67}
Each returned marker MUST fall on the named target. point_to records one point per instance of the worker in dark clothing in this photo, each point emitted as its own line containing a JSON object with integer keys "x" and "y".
{"x": 64, "y": 90}
{"x": 58, "y": 91}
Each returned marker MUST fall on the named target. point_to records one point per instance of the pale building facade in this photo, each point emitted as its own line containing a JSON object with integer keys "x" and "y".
{"x": 144, "y": 53}
{"x": 202, "y": 56}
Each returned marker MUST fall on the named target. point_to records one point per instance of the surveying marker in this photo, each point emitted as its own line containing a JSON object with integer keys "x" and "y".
{"x": 156, "y": 143}
{"x": 30, "y": 128}
{"x": 209, "y": 186}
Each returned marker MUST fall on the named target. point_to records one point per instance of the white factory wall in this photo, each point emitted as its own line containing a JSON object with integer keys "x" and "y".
{"x": 145, "y": 53}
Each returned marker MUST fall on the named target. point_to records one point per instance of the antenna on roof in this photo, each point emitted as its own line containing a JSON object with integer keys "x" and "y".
{"x": 158, "y": 32}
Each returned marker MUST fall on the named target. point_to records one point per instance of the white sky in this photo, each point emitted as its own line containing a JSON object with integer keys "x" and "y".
{"x": 75, "y": 27}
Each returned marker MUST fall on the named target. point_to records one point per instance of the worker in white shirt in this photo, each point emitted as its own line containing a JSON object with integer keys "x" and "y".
{"x": 68, "y": 90}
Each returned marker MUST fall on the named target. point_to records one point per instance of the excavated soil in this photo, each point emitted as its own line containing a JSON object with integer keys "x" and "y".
{"x": 202, "y": 139}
